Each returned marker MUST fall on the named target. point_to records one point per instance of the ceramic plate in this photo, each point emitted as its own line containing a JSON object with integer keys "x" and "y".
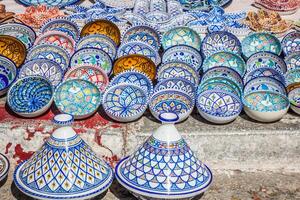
{"x": 293, "y": 61}
{"x": 264, "y": 72}
{"x": 4, "y": 166}
{"x": 291, "y": 43}
{"x": 8, "y": 74}
{"x": 59, "y": 3}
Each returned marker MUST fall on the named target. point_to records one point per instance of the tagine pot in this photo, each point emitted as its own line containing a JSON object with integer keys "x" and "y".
{"x": 164, "y": 167}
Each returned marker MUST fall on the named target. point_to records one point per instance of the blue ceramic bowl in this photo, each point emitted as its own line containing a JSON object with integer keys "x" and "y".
{"x": 264, "y": 84}
{"x": 203, "y": 5}
{"x": 292, "y": 76}
{"x": 292, "y": 61}
{"x": 30, "y": 96}
{"x": 291, "y": 43}
{"x": 294, "y": 97}
{"x": 59, "y": 3}
{"x": 218, "y": 85}
{"x": 264, "y": 72}
{"x": 8, "y": 74}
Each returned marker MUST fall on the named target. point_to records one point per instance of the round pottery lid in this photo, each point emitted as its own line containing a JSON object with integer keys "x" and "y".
{"x": 4, "y": 166}
{"x": 64, "y": 168}
{"x": 164, "y": 166}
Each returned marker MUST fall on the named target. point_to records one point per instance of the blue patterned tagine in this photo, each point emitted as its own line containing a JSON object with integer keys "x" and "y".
{"x": 292, "y": 76}
{"x": 293, "y": 61}
{"x": 164, "y": 167}
{"x": 21, "y": 31}
{"x": 8, "y": 74}
{"x": 78, "y": 97}
{"x": 59, "y": 3}
{"x": 264, "y": 84}
{"x": 203, "y": 5}
{"x": 125, "y": 102}
{"x": 291, "y": 43}
{"x": 65, "y": 167}
{"x": 264, "y": 72}
{"x": 45, "y": 68}
{"x": 4, "y": 167}
{"x": 30, "y": 96}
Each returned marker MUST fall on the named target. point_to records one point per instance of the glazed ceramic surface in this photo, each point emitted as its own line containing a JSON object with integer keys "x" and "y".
{"x": 102, "y": 42}
{"x": 92, "y": 56}
{"x": 59, "y": 3}
{"x": 8, "y": 74}
{"x": 257, "y": 42}
{"x": 141, "y": 48}
{"x": 292, "y": 76}
{"x": 91, "y": 73}
{"x": 50, "y": 52}
{"x": 291, "y": 43}
{"x": 24, "y": 33}
{"x": 4, "y": 166}
{"x": 264, "y": 72}
{"x": 293, "y": 61}
{"x": 183, "y": 53}
{"x": 30, "y": 96}
{"x": 294, "y": 95}
{"x": 225, "y": 59}
{"x": 220, "y": 41}
{"x": 218, "y": 85}
{"x": 202, "y": 4}
{"x": 45, "y": 68}
{"x": 135, "y": 62}
{"x": 181, "y": 36}
{"x": 282, "y": 6}
{"x": 13, "y": 49}
{"x": 264, "y": 84}
{"x": 125, "y": 102}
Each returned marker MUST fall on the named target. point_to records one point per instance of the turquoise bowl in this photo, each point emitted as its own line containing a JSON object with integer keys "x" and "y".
{"x": 292, "y": 76}
{"x": 264, "y": 84}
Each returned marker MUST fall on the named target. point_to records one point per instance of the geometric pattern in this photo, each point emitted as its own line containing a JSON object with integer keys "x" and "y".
{"x": 291, "y": 43}
{"x": 59, "y": 3}
{"x": 264, "y": 72}
{"x": 292, "y": 76}
{"x": 8, "y": 72}
{"x": 265, "y": 84}
{"x": 4, "y": 166}
{"x": 203, "y": 5}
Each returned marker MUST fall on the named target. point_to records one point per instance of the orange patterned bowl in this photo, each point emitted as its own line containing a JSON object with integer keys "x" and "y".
{"x": 13, "y": 49}
{"x": 135, "y": 62}
{"x": 103, "y": 27}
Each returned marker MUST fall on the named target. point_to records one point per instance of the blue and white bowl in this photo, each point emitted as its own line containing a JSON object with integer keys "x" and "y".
{"x": 264, "y": 72}
{"x": 292, "y": 61}
{"x": 221, "y": 85}
{"x": 291, "y": 43}
{"x": 294, "y": 97}
{"x": 8, "y": 74}
{"x": 292, "y": 76}
{"x": 5, "y": 165}
{"x": 264, "y": 84}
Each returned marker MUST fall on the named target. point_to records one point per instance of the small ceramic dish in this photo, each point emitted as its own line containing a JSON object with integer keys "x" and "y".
{"x": 103, "y": 27}
{"x": 293, "y": 61}
{"x": 218, "y": 106}
{"x": 48, "y": 69}
{"x": 264, "y": 84}
{"x": 225, "y": 59}
{"x": 171, "y": 100}
{"x": 292, "y": 76}
{"x": 264, "y": 72}
{"x": 266, "y": 59}
{"x": 291, "y": 43}
{"x": 175, "y": 69}
{"x": 59, "y": 3}
{"x": 266, "y": 106}
{"x": 294, "y": 97}
{"x": 30, "y": 96}
{"x": 77, "y": 97}
{"x": 281, "y": 6}
{"x": 257, "y": 42}
{"x": 21, "y": 31}
{"x": 13, "y": 49}
{"x": 92, "y": 56}
{"x": 102, "y": 42}
{"x": 181, "y": 36}
{"x": 8, "y": 74}
{"x": 135, "y": 62}
{"x": 125, "y": 102}
{"x": 183, "y": 53}
{"x": 4, "y": 166}
{"x": 91, "y": 73}
{"x": 220, "y": 41}
{"x": 141, "y": 48}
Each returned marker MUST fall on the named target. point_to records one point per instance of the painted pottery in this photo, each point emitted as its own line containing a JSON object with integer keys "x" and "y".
{"x": 59, "y": 3}
{"x": 294, "y": 97}
{"x": 264, "y": 84}
{"x": 264, "y": 72}
{"x": 65, "y": 167}
{"x": 292, "y": 76}
{"x": 30, "y": 96}
{"x": 291, "y": 43}
{"x": 201, "y": 5}
{"x": 281, "y": 6}
{"x": 8, "y": 74}
{"x": 293, "y": 61}
{"x": 4, "y": 167}
{"x": 220, "y": 85}
{"x": 4, "y": 15}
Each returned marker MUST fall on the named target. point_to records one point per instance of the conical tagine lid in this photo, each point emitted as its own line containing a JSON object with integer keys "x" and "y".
{"x": 164, "y": 166}
{"x": 64, "y": 168}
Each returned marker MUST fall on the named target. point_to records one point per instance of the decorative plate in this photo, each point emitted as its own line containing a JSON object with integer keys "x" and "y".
{"x": 57, "y": 38}
{"x": 4, "y": 166}
{"x": 291, "y": 43}
{"x": 92, "y": 56}
{"x": 91, "y": 73}
{"x": 176, "y": 69}
{"x": 13, "y": 49}
{"x": 220, "y": 41}
{"x": 77, "y": 97}
{"x": 59, "y": 3}
{"x": 282, "y": 6}
{"x": 203, "y": 5}
{"x": 102, "y": 42}
{"x": 135, "y": 62}
{"x": 292, "y": 76}
{"x": 24, "y": 33}
{"x": 264, "y": 72}
{"x": 125, "y": 102}
{"x": 103, "y": 27}
{"x": 183, "y": 53}
{"x": 293, "y": 61}
{"x": 48, "y": 69}
{"x": 30, "y": 96}
{"x": 8, "y": 74}
{"x": 181, "y": 36}
{"x": 225, "y": 59}
{"x": 294, "y": 94}
{"x": 141, "y": 48}
{"x": 264, "y": 84}
{"x": 257, "y": 42}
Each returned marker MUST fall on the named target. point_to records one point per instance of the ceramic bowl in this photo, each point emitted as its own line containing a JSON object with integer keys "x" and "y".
{"x": 13, "y": 49}
{"x": 264, "y": 72}
{"x": 8, "y": 74}
{"x": 57, "y": 3}
{"x": 44, "y": 68}
{"x": 183, "y": 53}
{"x": 292, "y": 76}
{"x": 135, "y": 62}
{"x": 92, "y": 56}
{"x": 21, "y": 31}
{"x": 50, "y": 52}
{"x": 141, "y": 48}
{"x": 175, "y": 69}
{"x": 181, "y": 36}
{"x": 257, "y": 42}
{"x": 264, "y": 84}
{"x": 266, "y": 59}
{"x": 217, "y": 85}
{"x": 220, "y": 41}
{"x": 171, "y": 100}
{"x": 284, "y": 7}
{"x": 203, "y": 5}
{"x": 103, "y": 27}
{"x": 102, "y": 42}
{"x": 294, "y": 97}
{"x": 91, "y": 73}
{"x": 218, "y": 106}
{"x": 225, "y": 59}
{"x": 30, "y": 96}
{"x": 266, "y": 106}
{"x": 291, "y": 43}
{"x": 4, "y": 166}
{"x": 292, "y": 61}
{"x": 125, "y": 102}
